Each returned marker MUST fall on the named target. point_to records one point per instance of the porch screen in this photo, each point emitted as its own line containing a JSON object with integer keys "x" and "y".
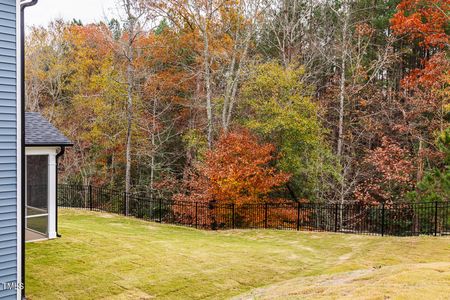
{"x": 37, "y": 193}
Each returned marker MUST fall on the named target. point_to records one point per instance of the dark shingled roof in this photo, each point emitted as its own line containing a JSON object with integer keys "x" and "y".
{"x": 40, "y": 132}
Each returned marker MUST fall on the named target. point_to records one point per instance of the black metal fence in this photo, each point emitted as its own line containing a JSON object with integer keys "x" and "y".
{"x": 401, "y": 219}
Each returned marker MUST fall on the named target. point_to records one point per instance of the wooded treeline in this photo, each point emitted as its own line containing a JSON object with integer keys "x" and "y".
{"x": 252, "y": 100}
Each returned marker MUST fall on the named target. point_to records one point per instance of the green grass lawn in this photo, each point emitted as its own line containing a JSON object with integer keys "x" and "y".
{"x": 110, "y": 257}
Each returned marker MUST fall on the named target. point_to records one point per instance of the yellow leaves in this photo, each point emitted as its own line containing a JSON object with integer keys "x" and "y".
{"x": 282, "y": 112}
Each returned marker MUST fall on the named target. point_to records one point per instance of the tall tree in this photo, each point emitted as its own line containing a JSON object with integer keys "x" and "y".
{"x": 135, "y": 19}
{"x": 240, "y": 22}
{"x": 278, "y": 106}
{"x": 198, "y": 15}
{"x": 424, "y": 24}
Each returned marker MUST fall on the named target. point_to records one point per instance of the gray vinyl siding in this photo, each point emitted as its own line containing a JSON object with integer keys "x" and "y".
{"x": 8, "y": 148}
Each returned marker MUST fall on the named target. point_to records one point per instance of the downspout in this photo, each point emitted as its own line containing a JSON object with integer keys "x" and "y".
{"x": 23, "y": 4}
{"x": 60, "y": 153}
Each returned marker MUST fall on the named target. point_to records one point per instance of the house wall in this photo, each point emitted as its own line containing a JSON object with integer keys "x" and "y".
{"x": 10, "y": 216}
{"x": 52, "y": 169}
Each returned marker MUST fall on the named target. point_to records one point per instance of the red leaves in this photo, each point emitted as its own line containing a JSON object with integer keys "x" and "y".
{"x": 423, "y": 20}
{"x": 237, "y": 170}
{"x": 390, "y": 173}
{"x": 432, "y": 76}
{"x": 391, "y": 162}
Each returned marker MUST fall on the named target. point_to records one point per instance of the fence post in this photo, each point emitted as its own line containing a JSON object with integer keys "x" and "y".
{"x": 90, "y": 198}
{"x": 336, "y": 212}
{"x": 160, "y": 210}
{"x": 435, "y": 218}
{"x": 265, "y": 215}
{"x": 298, "y": 216}
{"x": 233, "y": 215}
{"x": 196, "y": 214}
{"x": 382, "y": 219}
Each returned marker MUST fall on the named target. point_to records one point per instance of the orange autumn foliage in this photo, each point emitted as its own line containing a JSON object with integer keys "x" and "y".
{"x": 423, "y": 20}
{"x": 432, "y": 76}
{"x": 424, "y": 23}
{"x": 237, "y": 170}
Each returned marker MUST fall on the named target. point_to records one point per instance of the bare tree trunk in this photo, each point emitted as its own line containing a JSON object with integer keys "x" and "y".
{"x": 152, "y": 157}
{"x": 113, "y": 171}
{"x": 129, "y": 144}
{"x": 130, "y": 79}
{"x": 242, "y": 40}
{"x": 235, "y": 82}
{"x": 228, "y": 90}
{"x": 342, "y": 91}
{"x": 342, "y": 94}
{"x": 420, "y": 163}
{"x": 152, "y": 173}
{"x": 207, "y": 71}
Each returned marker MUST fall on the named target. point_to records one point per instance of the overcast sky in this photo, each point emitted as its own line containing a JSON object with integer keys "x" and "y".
{"x": 85, "y": 10}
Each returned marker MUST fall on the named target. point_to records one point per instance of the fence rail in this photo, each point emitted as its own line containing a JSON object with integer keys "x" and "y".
{"x": 401, "y": 219}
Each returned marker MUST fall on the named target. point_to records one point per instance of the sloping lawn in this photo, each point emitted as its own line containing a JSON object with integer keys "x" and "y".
{"x": 110, "y": 257}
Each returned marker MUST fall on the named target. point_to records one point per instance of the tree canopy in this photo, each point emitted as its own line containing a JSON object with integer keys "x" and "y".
{"x": 252, "y": 100}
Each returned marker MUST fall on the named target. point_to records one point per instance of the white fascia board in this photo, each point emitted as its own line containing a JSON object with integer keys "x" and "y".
{"x": 41, "y": 150}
